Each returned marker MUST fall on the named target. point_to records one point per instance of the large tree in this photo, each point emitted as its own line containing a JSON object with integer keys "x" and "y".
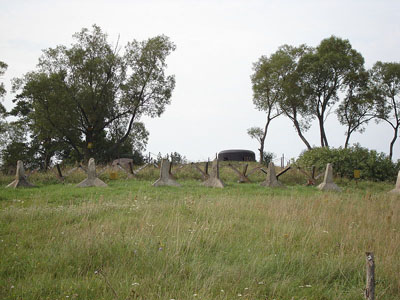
{"x": 324, "y": 74}
{"x": 265, "y": 84}
{"x": 292, "y": 101}
{"x": 357, "y": 107}
{"x": 78, "y": 95}
{"x": 386, "y": 79}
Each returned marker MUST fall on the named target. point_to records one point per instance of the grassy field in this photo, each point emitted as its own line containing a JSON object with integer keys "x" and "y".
{"x": 134, "y": 241}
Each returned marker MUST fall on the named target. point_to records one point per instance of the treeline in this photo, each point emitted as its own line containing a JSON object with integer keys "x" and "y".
{"x": 305, "y": 83}
{"x": 86, "y": 100}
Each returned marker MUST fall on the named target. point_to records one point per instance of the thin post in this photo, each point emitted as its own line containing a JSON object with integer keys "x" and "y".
{"x": 370, "y": 289}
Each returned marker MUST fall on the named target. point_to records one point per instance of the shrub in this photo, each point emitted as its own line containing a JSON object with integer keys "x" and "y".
{"x": 373, "y": 165}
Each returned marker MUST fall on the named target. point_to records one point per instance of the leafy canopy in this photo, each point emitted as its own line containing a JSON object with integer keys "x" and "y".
{"x": 89, "y": 94}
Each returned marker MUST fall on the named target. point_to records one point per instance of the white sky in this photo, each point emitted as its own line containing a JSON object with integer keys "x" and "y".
{"x": 217, "y": 43}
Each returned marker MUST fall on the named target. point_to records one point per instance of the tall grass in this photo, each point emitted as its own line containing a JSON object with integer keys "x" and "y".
{"x": 134, "y": 241}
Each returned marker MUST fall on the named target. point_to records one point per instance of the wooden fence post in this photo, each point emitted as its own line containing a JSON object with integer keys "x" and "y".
{"x": 370, "y": 289}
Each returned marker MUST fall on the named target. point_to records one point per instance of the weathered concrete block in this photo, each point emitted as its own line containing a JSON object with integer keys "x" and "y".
{"x": 166, "y": 177}
{"x": 214, "y": 180}
{"x": 396, "y": 189}
{"x": 20, "y": 177}
{"x": 328, "y": 184}
{"x": 271, "y": 180}
{"x": 92, "y": 179}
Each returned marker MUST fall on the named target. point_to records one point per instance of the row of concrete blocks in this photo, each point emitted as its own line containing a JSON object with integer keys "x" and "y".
{"x": 167, "y": 179}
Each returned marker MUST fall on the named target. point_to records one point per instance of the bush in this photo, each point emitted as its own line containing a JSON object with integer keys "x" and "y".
{"x": 373, "y": 165}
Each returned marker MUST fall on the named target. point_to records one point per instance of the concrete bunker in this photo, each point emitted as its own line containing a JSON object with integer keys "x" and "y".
{"x": 236, "y": 155}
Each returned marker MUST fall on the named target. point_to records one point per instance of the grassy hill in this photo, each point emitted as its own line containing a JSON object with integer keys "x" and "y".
{"x": 134, "y": 241}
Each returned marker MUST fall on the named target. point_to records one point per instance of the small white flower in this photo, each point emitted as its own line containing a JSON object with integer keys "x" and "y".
{"x": 135, "y": 283}
{"x": 222, "y": 291}
{"x": 246, "y": 288}
{"x": 194, "y": 295}
{"x": 12, "y": 286}
{"x": 261, "y": 282}
{"x": 96, "y": 272}
{"x": 239, "y": 295}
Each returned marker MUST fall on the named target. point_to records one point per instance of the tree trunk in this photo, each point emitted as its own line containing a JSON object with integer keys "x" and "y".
{"x": 396, "y": 130}
{"x": 346, "y": 143}
{"x": 262, "y": 139}
{"x": 298, "y": 129}
{"x": 261, "y": 149}
{"x": 324, "y": 140}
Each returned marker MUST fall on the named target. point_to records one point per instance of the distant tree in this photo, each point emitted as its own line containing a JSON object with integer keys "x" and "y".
{"x": 268, "y": 157}
{"x": 3, "y": 68}
{"x": 386, "y": 79}
{"x": 177, "y": 158}
{"x": 266, "y": 93}
{"x": 16, "y": 147}
{"x": 324, "y": 72}
{"x": 257, "y": 133}
{"x": 357, "y": 107}
{"x": 3, "y": 123}
{"x": 79, "y": 94}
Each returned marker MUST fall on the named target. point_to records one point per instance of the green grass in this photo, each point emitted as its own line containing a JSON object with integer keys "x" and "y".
{"x": 134, "y": 241}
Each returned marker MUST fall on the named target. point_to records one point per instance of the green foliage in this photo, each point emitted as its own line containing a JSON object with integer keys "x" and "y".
{"x": 91, "y": 98}
{"x": 3, "y": 68}
{"x": 3, "y": 123}
{"x": 357, "y": 107}
{"x": 386, "y": 83}
{"x": 256, "y": 133}
{"x": 266, "y": 94}
{"x": 325, "y": 71}
{"x": 373, "y": 165}
{"x": 293, "y": 97}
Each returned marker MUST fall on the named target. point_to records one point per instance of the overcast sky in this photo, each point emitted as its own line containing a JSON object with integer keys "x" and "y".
{"x": 217, "y": 43}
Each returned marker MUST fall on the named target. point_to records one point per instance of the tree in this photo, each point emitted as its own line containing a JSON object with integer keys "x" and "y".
{"x": 3, "y": 68}
{"x": 266, "y": 95}
{"x": 356, "y": 109}
{"x": 3, "y": 123}
{"x": 293, "y": 101}
{"x": 386, "y": 79}
{"x": 15, "y": 147}
{"x": 257, "y": 133}
{"x": 79, "y": 94}
{"x": 324, "y": 72}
